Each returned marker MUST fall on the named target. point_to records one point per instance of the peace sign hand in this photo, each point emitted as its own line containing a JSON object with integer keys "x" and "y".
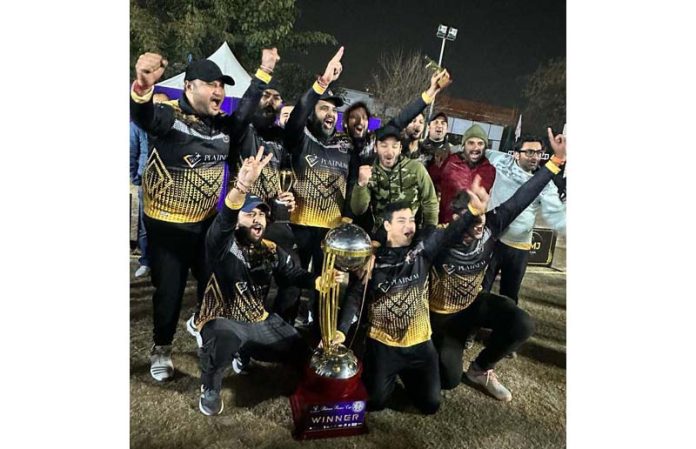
{"x": 252, "y": 166}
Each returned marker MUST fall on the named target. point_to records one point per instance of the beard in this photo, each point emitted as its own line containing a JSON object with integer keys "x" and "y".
{"x": 243, "y": 236}
{"x": 413, "y": 135}
{"x": 317, "y": 128}
{"x": 264, "y": 118}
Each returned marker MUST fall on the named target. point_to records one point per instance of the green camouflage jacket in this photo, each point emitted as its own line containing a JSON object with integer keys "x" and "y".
{"x": 407, "y": 181}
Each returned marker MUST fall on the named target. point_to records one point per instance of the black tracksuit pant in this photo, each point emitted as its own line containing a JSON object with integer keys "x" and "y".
{"x": 271, "y": 340}
{"x": 309, "y": 240}
{"x": 512, "y": 264}
{"x": 173, "y": 249}
{"x": 511, "y": 327}
{"x": 287, "y": 301}
{"x": 416, "y": 366}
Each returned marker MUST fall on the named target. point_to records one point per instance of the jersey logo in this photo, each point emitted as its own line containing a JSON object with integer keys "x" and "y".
{"x": 384, "y": 286}
{"x": 312, "y": 160}
{"x": 242, "y": 287}
{"x": 449, "y": 268}
{"x": 192, "y": 159}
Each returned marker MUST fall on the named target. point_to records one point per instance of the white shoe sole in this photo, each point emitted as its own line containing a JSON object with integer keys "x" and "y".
{"x": 200, "y": 407}
{"x": 191, "y": 329}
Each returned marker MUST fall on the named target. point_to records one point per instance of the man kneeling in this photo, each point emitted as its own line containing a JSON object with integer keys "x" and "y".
{"x": 398, "y": 342}
{"x": 232, "y": 319}
{"x": 457, "y": 303}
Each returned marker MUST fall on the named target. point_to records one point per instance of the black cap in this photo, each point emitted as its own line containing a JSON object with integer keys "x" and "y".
{"x": 439, "y": 114}
{"x": 206, "y": 70}
{"x": 387, "y": 131}
{"x": 329, "y": 96}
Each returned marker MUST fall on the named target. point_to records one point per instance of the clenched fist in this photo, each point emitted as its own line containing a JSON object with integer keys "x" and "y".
{"x": 364, "y": 175}
{"x": 149, "y": 69}
{"x": 269, "y": 59}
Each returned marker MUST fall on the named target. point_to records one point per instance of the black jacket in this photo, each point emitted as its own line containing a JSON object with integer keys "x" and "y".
{"x": 323, "y": 166}
{"x": 397, "y": 293}
{"x": 183, "y": 179}
{"x": 457, "y": 274}
{"x": 241, "y": 273}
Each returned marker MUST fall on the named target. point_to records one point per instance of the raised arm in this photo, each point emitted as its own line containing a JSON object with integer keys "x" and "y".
{"x": 454, "y": 232}
{"x": 241, "y": 117}
{"x": 148, "y": 70}
{"x": 499, "y": 219}
{"x": 294, "y": 128}
{"x": 361, "y": 195}
{"x": 225, "y": 223}
{"x": 438, "y": 81}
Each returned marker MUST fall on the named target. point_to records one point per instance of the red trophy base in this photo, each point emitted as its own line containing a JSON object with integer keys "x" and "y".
{"x": 323, "y": 407}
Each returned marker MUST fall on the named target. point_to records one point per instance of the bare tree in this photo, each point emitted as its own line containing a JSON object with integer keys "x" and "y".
{"x": 545, "y": 97}
{"x": 400, "y": 77}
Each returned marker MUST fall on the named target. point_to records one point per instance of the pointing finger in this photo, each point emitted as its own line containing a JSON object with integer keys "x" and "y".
{"x": 339, "y": 54}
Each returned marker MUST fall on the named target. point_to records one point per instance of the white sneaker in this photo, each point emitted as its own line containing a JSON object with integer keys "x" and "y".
{"x": 193, "y": 330}
{"x": 143, "y": 270}
{"x": 489, "y": 381}
{"x": 161, "y": 366}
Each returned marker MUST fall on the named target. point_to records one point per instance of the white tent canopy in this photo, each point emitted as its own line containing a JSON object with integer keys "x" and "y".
{"x": 229, "y": 65}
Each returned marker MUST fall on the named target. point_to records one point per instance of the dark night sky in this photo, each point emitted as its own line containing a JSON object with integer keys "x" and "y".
{"x": 499, "y": 41}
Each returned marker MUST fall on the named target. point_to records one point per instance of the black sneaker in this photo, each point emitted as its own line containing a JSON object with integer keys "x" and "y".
{"x": 210, "y": 402}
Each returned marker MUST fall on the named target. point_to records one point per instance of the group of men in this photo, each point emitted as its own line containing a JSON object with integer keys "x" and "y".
{"x": 216, "y": 202}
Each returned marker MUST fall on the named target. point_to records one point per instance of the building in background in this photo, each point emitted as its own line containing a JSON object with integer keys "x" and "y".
{"x": 464, "y": 113}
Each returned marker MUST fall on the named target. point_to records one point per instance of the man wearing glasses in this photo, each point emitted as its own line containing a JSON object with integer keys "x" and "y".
{"x": 511, "y": 251}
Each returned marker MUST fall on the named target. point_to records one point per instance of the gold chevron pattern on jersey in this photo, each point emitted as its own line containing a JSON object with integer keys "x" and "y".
{"x": 268, "y": 184}
{"x": 247, "y": 305}
{"x": 181, "y": 195}
{"x": 401, "y": 317}
{"x": 213, "y": 306}
{"x": 451, "y": 292}
{"x": 244, "y": 306}
{"x": 319, "y": 197}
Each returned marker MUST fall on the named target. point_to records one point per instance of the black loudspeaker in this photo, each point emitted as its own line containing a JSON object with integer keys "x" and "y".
{"x": 543, "y": 246}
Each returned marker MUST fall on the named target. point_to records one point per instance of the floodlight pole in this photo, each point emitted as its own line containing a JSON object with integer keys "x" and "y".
{"x": 439, "y": 62}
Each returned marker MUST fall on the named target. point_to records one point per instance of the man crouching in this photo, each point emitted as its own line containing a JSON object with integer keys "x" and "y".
{"x": 233, "y": 319}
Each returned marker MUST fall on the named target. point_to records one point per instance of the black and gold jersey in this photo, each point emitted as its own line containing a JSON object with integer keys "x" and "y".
{"x": 322, "y": 172}
{"x": 269, "y": 183}
{"x": 457, "y": 273}
{"x": 185, "y": 171}
{"x": 397, "y": 293}
{"x": 323, "y": 166}
{"x": 241, "y": 273}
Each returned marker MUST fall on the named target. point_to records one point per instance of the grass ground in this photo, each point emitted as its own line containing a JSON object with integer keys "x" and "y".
{"x": 257, "y": 411}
